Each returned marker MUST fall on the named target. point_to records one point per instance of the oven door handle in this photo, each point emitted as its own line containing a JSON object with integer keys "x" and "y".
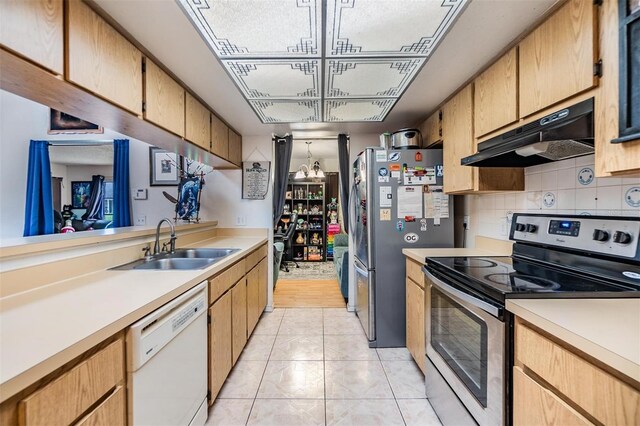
{"x": 454, "y": 292}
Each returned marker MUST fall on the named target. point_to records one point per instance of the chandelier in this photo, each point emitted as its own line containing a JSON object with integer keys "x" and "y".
{"x": 309, "y": 170}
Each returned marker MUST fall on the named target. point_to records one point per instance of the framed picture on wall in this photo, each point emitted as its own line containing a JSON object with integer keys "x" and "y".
{"x": 62, "y": 123}
{"x": 163, "y": 167}
{"x": 80, "y": 194}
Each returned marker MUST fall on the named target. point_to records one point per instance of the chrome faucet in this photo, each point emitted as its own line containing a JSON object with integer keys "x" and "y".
{"x": 172, "y": 238}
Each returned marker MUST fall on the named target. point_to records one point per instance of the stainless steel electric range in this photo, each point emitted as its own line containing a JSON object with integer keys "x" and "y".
{"x": 469, "y": 333}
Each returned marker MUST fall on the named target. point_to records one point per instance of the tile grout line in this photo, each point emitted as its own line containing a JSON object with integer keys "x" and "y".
{"x": 395, "y": 399}
{"x": 253, "y": 403}
{"x": 324, "y": 369}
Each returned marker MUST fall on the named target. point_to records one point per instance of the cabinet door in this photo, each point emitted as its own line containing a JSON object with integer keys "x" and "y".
{"x": 415, "y": 323}
{"x": 253, "y": 298}
{"x": 495, "y": 95}
{"x": 535, "y": 405}
{"x": 164, "y": 99}
{"x": 431, "y": 131}
{"x": 235, "y": 148}
{"x": 220, "y": 342}
{"x": 458, "y": 142}
{"x": 101, "y": 60}
{"x": 557, "y": 59}
{"x": 264, "y": 284}
{"x": 198, "y": 126}
{"x": 110, "y": 412}
{"x": 219, "y": 137}
{"x": 239, "y": 317}
{"x": 35, "y": 30}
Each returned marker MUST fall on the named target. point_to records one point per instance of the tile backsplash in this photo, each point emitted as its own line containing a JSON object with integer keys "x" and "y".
{"x": 563, "y": 187}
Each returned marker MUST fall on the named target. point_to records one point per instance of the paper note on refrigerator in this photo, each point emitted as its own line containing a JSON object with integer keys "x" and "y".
{"x": 436, "y": 203}
{"x": 420, "y": 176}
{"x": 409, "y": 201}
{"x": 386, "y": 196}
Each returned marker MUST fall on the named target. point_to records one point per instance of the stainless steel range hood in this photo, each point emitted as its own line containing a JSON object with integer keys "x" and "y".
{"x": 564, "y": 134}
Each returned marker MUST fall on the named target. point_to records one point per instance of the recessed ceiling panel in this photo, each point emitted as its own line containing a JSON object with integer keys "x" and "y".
{"x": 348, "y": 110}
{"x": 258, "y": 28}
{"x": 263, "y": 79}
{"x": 387, "y": 28}
{"x": 275, "y": 111}
{"x": 369, "y": 78}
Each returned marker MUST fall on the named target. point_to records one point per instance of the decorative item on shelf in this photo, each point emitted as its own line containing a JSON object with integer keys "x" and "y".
{"x": 286, "y": 209}
{"x": 286, "y": 221}
{"x": 309, "y": 170}
{"x": 300, "y": 208}
{"x": 300, "y": 222}
{"x": 305, "y": 225}
{"x": 315, "y": 238}
{"x": 279, "y": 230}
{"x": 67, "y": 228}
{"x": 314, "y": 253}
{"x": 304, "y": 211}
{"x": 300, "y": 238}
{"x": 315, "y": 209}
{"x": 288, "y": 195}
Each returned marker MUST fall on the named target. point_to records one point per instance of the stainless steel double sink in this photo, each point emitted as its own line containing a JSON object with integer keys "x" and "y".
{"x": 181, "y": 259}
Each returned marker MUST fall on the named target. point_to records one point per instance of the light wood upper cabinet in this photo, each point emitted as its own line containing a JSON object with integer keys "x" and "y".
{"x": 495, "y": 95}
{"x": 235, "y": 148}
{"x": 35, "y": 30}
{"x": 220, "y": 344}
{"x": 557, "y": 59}
{"x": 164, "y": 99}
{"x": 431, "y": 130}
{"x": 458, "y": 141}
{"x": 198, "y": 125}
{"x": 238, "y": 318}
{"x": 101, "y": 60}
{"x": 219, "y": 137}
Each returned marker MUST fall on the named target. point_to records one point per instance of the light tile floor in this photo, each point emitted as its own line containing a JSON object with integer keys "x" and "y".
{"x": 313, "y": 366}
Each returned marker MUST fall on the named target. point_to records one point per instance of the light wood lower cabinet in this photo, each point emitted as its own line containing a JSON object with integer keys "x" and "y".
{"x": 415, "y": 322}
{"x": 253, "y": 298}
{"x": 533, "y": 405}
{"x": 101, "y": 60}
{"x": 35, "y": 30}
{"x": 69, "y": 396}
{"x": 111, "y": 412}
{"x": 580, "y": 383}
{"x": 220, "y": 344}
{"x": 238, "y": 318}
{"x": 264, "y": 284}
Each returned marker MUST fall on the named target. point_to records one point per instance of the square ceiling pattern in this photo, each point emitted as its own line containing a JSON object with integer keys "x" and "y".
{"x": 293, "y": 69}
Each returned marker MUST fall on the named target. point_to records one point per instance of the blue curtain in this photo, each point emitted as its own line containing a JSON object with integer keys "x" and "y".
{"x": 121, "y": 203}
{"x": 38, "y": 212}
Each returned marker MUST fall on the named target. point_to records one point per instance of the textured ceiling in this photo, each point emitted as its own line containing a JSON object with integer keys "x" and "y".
{"x": 305, "y": 61}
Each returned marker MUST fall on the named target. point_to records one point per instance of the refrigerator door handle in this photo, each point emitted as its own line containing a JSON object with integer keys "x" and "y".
{"x": 360, "y": 270}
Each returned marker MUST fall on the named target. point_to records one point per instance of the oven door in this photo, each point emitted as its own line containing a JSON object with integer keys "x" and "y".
{"x": 466, "y": 345}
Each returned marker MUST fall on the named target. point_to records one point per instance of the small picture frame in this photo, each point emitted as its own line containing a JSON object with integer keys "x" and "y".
{"x": 62, "y": 123}
{"x": 163, "y": 167}
{"x": 80, "y": 194}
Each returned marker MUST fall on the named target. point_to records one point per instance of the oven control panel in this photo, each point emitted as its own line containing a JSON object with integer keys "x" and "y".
{"x": 613, "y": 236}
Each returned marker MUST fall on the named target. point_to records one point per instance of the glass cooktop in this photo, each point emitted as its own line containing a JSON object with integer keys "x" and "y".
{"x": 507, "y": 277}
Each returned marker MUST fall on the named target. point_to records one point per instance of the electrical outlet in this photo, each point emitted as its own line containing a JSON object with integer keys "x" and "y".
{"x": 241, "y": 221}
{"x": 467, "y": 221}
{"x": 141, "y": 221}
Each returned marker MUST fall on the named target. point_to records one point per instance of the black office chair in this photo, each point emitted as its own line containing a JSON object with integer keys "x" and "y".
{"x": 287, "y": 238}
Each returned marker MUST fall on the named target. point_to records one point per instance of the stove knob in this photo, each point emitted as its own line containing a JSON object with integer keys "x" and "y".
{"x": 621, "y": 237}
{"x": 531, "y": 228}
{"x": 600, "y": 235}
{"x": 520, "y": 227}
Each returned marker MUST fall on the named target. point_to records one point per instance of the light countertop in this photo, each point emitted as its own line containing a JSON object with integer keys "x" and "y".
{"x": 45, "y": 328}
{"x": 606, "y": 329}
{"x": 419, "y": 254}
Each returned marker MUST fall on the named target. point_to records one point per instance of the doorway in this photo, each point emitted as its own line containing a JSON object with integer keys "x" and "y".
{"x": 309, "y": 273}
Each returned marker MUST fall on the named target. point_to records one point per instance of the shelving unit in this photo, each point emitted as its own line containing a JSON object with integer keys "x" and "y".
{"x": 309, "y": 240}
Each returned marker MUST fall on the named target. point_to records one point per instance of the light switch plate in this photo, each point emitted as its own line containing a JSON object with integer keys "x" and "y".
{"x": 140, "y": 194}
{"x": 241, "y": 221}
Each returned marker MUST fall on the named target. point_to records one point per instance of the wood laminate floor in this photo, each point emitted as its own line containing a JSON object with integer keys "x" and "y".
{"x": 308, "y": 294}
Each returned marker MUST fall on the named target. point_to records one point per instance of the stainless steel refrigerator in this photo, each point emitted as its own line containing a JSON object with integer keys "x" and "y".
{"x": 397, "y": 202}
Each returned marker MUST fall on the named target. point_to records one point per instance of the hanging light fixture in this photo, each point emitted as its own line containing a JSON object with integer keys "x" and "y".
{"x": 309, "y": 170}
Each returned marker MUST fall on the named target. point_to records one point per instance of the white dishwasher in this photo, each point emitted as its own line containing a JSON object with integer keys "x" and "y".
{"x": 167, "y": 363}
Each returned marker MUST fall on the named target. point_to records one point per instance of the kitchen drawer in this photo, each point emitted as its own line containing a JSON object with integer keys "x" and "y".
{"x": 224, "y": 280}
{"x": 605, "y": 397}
{"x": 256, "y": 256}
{"x": 414, "y": 271}
{"x": 110, "y": 412}
{"x": 535, "y": 405}
{"x": 65, "y": 399}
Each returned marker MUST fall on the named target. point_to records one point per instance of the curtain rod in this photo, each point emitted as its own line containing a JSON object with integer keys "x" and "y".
{"x": 80, "y": 142}
{"x": 318, "y": 138}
